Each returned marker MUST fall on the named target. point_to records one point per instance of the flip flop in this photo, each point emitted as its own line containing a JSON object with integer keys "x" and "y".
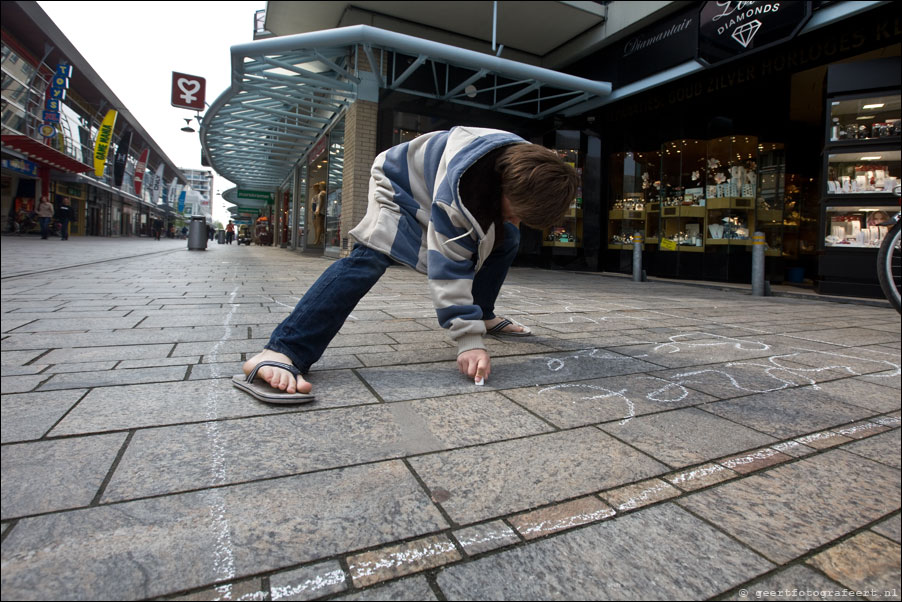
{"x": 264, "y": 392}
{"x": 498, "y": 329}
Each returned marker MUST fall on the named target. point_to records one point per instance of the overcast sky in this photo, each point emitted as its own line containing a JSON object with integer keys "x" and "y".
{"x": 135, "y": 47}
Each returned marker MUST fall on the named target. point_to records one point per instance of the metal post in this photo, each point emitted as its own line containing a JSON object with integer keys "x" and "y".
{"x": 758, "y": 246}
{"x": 637, "y": 258}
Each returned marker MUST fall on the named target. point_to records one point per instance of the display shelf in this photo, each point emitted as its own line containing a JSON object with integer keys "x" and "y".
{"x": 731, "y": 203}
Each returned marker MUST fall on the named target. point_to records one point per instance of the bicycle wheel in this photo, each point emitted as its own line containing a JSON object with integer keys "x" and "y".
{"x": 889, "y": 266}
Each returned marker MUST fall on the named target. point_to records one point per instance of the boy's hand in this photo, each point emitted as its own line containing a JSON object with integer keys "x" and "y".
{"x": 475, "y": 363}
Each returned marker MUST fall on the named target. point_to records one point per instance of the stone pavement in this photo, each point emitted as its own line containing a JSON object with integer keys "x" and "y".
{"x": 651, "y": 441}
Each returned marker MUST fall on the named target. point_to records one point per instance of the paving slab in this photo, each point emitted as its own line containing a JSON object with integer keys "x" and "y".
{"x": 32, "y": 415}
{"x": 691, "y": 561}
{"x": 773, "y": 512}
{"x": 140, "y": 549}
{"x": 477, "y": 484}
{"x": 687, "y": 436}
{"x": 409, "y": 382}
{"x": 792, "y": 412}
{"x": 44, "y": 476}
{"x": 184, "y": 457}
{"x": 866, "y": 563}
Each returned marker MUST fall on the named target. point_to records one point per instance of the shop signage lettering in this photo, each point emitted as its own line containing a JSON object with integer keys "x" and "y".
{"x": 258, "y": 195}
{"x": 731, "y": 29}
{"x": 20, "y": 166}
{"x": 58, "y": 86}
{"x": 657, "y": 48}
{"x": 102, "y": 143}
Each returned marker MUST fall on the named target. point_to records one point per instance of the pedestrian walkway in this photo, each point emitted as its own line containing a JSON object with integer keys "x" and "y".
{"x": 651, "y": 441}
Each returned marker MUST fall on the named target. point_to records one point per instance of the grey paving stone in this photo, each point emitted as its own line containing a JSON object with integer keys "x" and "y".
{"x": 18, "y": 358}
{"x": 107, "y": 378}
{"x": 485, "y": 537}
{"x": 44, "y": 476}
{"x": 885, "y": 447}
{"x": 414, "y": 589}
{"x": 309, "y": 582}
{"x": 477, "y": 484}
{"x": 398, "y": 383}
{"x": 21, "y": 384}
{"x": 851, "y": 336}
{"x": 700, "y": 347}
{"x": 691, "y": 560}
{"x": 99, "y": 354}
{"x": 30, "y": 415}
{"x": 773, "y": 512}
{"x": 55, "y": 325}
{"x": 687, "y": 436}
{"x": 80, "y": 367}
{"x": 151, "y": 547}
{"x": 184, "y": 457}
{"x": 791, "y": 412}
{"x": 569, "y": 405}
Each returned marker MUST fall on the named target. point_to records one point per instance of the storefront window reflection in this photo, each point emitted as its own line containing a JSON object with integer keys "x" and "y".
{"x": 333, "y": 206}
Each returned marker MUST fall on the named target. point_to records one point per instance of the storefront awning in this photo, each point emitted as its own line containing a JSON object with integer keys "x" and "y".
{"x": 34, "y": 149}
{"x": 287, "y": 91}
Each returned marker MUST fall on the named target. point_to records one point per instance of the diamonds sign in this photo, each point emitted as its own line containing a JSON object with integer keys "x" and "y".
{"x": 731, "y": 29}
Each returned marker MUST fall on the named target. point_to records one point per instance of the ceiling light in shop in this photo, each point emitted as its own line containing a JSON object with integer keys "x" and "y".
{"x": 874, "y": 106}
{"x": 872, "y": 158}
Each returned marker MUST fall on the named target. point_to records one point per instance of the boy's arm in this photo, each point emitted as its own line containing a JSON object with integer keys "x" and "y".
{"x": 451, "y": 266}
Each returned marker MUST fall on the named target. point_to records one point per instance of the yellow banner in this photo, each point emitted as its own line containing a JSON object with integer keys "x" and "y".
{"x": 102, "y": 143}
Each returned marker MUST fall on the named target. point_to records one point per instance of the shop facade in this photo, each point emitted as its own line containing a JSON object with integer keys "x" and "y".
{"x": 719, "y": 125}
{"x": 798, "y": 140}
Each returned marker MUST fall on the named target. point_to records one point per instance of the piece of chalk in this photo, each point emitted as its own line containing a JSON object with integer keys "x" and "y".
{"x": 479, "y": 381}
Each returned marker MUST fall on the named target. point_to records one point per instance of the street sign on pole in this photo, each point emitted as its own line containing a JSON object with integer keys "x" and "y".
{"x": 188, "y": 91}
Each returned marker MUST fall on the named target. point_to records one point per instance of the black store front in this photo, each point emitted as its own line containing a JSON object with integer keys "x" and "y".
{"x": 779, "y": 131}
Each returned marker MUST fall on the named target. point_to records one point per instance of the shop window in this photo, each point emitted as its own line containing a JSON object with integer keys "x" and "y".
{"x": 333, "y": 233}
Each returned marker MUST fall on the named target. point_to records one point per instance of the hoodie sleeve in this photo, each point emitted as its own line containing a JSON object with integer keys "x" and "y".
{"x": 452, "y": 247}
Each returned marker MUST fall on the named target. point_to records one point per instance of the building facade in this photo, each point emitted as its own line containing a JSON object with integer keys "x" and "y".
{"x": 719, "y": 120}
{"x": 66, "y": 134}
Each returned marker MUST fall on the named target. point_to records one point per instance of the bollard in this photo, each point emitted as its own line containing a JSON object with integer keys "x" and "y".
{"x": 637, "y": 258}
{"x": 758, "y": 247}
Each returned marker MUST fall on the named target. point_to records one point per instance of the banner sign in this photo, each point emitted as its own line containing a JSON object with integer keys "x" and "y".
{"x": 257, "y": 195}
{"x": 182, "y": 196}
{"x": 121, "y": 159}
{"x": 157, "y": 183}
{"x": 103, "y": 140}
{"x": 731, "y": 29}
{"x": 57, "y": 93}
{"x": 188, "y": 91}
{"x": 139, "y": 170}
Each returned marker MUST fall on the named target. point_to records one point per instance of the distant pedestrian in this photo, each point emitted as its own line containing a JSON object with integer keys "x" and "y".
{"x": 45, "y": 214}
{"x": 230, "y": 232}
{"x": 157, "y": 228}
{"x": 65, "y": 213}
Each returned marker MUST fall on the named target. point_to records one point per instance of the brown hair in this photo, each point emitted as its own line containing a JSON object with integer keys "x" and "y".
{"x": 538, "y": 183}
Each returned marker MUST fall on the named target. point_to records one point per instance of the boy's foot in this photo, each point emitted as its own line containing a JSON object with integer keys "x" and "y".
{"x": 505, "y": 326}
{"x": 277, "y": 377}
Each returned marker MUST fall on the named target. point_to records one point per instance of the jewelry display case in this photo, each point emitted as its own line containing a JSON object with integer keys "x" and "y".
{"x": 568, "y": 234}
{"x": 683, "y": 197}
{"x": 862, "y": 166}
{"x": 636, "y": 208}
{"x": 770, "y": 203}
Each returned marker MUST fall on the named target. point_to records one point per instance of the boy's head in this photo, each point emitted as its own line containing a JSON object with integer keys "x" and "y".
{"x": 537, "y": 184}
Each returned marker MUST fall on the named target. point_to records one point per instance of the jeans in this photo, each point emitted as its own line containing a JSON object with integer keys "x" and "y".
{"x": 304, "y": 335}
{"x": 45, "y": 226}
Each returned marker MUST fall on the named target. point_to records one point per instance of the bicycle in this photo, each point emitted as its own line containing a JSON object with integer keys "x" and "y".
{"x": 889, "y": 261}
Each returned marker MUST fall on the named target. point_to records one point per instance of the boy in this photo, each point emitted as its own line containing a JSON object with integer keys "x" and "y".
{"x": 447, "y": 204}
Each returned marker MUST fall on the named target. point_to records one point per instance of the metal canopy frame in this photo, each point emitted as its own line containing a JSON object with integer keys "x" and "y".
{"x": 287, "y": 92}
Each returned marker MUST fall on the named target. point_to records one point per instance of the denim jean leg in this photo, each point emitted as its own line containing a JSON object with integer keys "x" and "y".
{"x": 488, "y": 281}
{"x": 319, "y": 315}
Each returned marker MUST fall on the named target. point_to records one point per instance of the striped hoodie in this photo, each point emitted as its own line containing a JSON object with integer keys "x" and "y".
{"x": 415, "y": 216}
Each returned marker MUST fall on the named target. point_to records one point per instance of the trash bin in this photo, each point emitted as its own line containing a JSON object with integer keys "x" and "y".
{"x": 220, "y": 236}
{"x": 197, "y": 233}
